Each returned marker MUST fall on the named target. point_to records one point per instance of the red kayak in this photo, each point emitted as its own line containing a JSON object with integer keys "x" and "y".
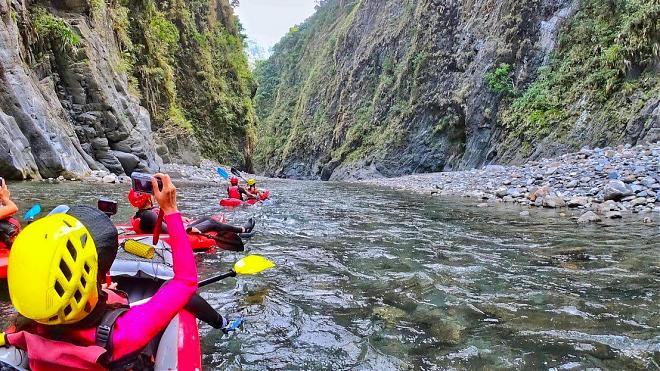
{"x": 4, "y": 262}
{"x": 198, "y": 242}
{"x": 235, "y": 202}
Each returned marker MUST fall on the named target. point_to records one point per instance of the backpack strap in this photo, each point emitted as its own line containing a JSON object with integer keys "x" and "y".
{"x": 105, "y": 328}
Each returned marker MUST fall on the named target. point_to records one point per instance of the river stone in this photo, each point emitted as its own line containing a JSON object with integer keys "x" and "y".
{"x": 112, "y": 178}
{"x": 553, "y": 202}
{"x": 638, "y": 201}
{"x": 577, "y": 202}
{"x": 500, "y": 193}
{"x": 541, "y": 192}
{"x": 614, "y": 215}
{"x": 588, "y": 217}
{"x": 648, "y": 181}
{"x": 616, "y": 190}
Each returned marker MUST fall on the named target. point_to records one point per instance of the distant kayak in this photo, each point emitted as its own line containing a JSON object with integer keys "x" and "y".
{"x": 234, "y": 202}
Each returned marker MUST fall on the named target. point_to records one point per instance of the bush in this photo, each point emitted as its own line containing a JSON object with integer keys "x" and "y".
{"x": 500, "y": 80}
{"x": 52, "y": 28}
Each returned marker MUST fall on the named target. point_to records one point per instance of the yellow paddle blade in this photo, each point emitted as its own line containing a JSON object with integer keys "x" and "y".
{"x": 252, "y": 264}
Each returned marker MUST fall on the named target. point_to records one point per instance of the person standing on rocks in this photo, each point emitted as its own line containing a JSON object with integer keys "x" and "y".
{"x": 9, "y": 226}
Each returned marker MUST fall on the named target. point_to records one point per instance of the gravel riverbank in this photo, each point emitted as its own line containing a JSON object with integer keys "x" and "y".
{"x": 591, "y": 185}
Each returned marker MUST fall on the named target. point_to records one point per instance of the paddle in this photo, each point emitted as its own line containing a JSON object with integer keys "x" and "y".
{"x": 61, "y": 209}
{"x": 157, "y": 228}
{"x": 222, "y": 172}
{"x": 237, "y": 173}
{"x": 249, "y": 265}
{"x": 229, "y": 241}
{"x": 32, "y": 213}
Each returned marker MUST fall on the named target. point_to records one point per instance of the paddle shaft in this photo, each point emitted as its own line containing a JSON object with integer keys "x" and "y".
{"x": 157, "y": 227}
{"x": 215, "y": 279}
{"x": 237, "y": 173}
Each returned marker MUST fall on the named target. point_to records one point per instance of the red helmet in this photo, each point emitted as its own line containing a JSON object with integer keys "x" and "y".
{"x": 138, "y": 199}
{"x": 234, "y": 181}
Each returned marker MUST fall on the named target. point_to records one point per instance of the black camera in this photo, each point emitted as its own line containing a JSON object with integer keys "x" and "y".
{"x": 142, "y": 183}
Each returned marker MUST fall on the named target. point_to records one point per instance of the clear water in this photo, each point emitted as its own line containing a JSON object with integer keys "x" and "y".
{"x": 374, "y": 279}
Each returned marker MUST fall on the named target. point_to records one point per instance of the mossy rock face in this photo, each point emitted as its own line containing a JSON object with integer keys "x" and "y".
{"x": 186, "y": 61}
{"x": 364, "y": 87}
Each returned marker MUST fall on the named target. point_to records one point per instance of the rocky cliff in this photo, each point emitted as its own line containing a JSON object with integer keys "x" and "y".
{"x": 84, "y": 84}
{"x": 368, "y": 88}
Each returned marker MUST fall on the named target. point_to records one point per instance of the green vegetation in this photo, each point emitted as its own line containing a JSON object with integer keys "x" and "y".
{"x": 299, "y": 87}
{"x": 603, "y": 65}
{"x": 185, "y": 60}
{"x": 500, "y": 81}
{"x": 54, "y": 29}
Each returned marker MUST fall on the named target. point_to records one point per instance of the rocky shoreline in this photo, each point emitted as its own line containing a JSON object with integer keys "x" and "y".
{"x": 590, "y": 185}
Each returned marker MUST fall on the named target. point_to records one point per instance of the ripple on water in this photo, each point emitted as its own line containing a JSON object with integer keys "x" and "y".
{"x": 369, "y": 279}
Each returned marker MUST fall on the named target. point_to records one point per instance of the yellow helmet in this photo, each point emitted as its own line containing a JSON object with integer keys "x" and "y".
{"x": 52, "y": 271}
{"x": 251, "y": 182}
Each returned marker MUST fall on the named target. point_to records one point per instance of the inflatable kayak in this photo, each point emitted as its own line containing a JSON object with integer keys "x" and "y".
{"x": 199, "y": 242}
{"x": 235, "y": 202}
{"x": 140, "y": 278}
{"x": 4, "y": 263}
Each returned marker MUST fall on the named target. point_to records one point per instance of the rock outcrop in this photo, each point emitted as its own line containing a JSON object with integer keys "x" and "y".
{"x": 65, "y": 109}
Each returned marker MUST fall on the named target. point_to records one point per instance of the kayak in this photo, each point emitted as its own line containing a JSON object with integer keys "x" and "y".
{"x": 179, "y": 346}
{"x": 4, "y": 263}
{"x": 235, "y": 202}
{"x": 198, "y": 242}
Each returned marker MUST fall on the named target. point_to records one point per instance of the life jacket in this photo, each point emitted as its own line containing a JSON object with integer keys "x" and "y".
{"x": 9, "y": 229}
{"x": 253, "y": 190}
{"x": 135, "y": 219}
{"x": 47, "y": 354}
{"x": 234, "y": 192}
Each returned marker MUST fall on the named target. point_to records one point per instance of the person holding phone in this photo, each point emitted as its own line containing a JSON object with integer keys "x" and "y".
{"x": 146, "y": 217}
{"x": 9, "y": 226}
{"x": 58, "y": 324}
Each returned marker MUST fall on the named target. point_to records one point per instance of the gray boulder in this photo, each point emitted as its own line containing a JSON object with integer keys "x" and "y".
{"x": 616, "y": 190}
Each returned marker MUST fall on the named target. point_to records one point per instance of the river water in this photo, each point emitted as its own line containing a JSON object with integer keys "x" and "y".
{"x": 372, "y": 279}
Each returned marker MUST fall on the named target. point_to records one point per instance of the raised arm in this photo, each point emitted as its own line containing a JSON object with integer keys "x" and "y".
{"x": 8, "y": 207}
{"x": 135, "y": 328}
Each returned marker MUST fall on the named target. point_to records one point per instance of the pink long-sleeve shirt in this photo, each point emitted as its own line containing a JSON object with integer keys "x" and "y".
{"x": 134, "y": 328}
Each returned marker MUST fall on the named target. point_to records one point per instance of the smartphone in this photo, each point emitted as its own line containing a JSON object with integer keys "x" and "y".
{"x": 142, "y": 183}
{"x": 109, "y": 207}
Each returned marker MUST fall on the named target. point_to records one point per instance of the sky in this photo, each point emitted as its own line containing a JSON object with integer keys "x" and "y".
{"x": 266, "y": 21}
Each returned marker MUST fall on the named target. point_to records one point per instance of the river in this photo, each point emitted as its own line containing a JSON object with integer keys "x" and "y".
{"x": 374, "y": 279}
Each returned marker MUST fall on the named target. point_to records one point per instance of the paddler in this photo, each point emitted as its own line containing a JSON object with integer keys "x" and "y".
{"x": 67, "y": 318}
{"x": 237, "y": 192}
{"x": 146, "y": 218}
{"x": 9, "y": 226}
{"x": 252, "y": 188}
